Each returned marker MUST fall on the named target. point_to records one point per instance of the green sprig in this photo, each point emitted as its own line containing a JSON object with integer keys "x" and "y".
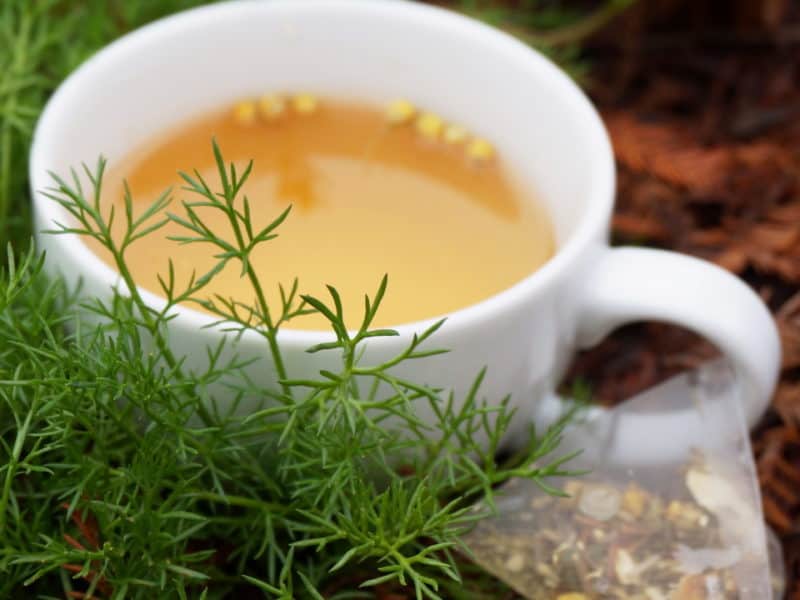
{"x": 110, "y": 486}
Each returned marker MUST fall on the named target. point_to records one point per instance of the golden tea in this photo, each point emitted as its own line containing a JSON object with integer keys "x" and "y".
{"x": 372, "y": 192}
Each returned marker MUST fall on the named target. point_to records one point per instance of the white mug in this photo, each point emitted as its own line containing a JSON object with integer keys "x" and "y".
{"x": 545, "y": 128}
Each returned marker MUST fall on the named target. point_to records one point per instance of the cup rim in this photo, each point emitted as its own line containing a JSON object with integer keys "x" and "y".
{"x": 591, "y": 228}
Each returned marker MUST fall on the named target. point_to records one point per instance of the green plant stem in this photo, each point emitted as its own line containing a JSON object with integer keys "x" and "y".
{"x": 272, "y": 332}
{"x": 580, "y": 30}
{"x": 242, "y": 501}
{"x": 153, "y": 325}
{"x": 13, "y": 463}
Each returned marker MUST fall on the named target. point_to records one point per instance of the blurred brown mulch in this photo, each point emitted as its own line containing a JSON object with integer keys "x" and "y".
{"x": 702, "y": 101}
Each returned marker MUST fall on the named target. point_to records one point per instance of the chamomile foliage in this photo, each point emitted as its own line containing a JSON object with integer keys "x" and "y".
{"x": 125, "y": 474}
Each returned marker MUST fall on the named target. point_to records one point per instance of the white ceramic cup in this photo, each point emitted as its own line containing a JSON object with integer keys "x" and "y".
{"x": 545, "y": 128}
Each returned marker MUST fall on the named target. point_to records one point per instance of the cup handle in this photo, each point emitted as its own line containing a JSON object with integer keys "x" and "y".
{"x": 634, "y": 284}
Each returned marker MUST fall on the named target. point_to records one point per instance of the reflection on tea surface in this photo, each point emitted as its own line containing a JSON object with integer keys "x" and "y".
{"x": 370, "y": 195}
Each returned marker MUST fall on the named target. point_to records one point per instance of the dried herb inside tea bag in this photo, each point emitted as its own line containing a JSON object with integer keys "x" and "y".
{"x": 688, "y": 527}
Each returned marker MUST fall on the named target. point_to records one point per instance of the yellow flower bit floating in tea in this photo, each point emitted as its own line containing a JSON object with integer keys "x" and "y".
{"x": 305, "y": 104}
{"x": 480, "y": 150}
{"x": 245, "y": 112}
{"x": 573, "y": 596}
{"x": 455, "y": 134}
{"x": 271, "y": 106}
{"x": 430, "y": 125}
{"x": 400, "y": 111}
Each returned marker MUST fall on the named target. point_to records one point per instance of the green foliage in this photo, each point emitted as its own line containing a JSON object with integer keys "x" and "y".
{"x": 41, "y": 42}
{"x": 110, "y": 490}
{"x": 110, "y": 487}
{"x": 557, "y": 28}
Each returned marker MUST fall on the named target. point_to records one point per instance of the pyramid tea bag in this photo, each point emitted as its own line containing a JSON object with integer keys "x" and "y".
{"x": 671, "y": 515}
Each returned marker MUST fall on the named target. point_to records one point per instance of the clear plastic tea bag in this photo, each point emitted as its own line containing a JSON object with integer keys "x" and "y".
{"x": 664, "y": 513}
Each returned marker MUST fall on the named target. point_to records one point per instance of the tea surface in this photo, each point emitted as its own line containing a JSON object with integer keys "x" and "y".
{"x": 368, "y": 198}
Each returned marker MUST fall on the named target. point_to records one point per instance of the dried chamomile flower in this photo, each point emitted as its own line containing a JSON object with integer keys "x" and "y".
{"x": 480, "y": 150}
{"x": 653, "y": 593}
{"x": 601, "y": 502}
{"x": 548, "y": 576}
{"x": 718, "y": 495}
{"x": 400, "y": 111}
{"x": 271, "y": 106}
{"x": 702, "y": 586}
{"x": 244, "y": 112}
{"x": 685, "y": 515}
{"x": 305, "y": 104}
{"x": 721, "y": 497}
{"x": 629, "y": 571}
{"x": 515, "y": 562}
{"x": 430, "y": 125}
{"x": 625, "y": 568}
{"x": 572, "y": 488}
{"x": 455, "y": 134}
{"x": 573, "y": 596}
{"x": 634, "y": 500}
